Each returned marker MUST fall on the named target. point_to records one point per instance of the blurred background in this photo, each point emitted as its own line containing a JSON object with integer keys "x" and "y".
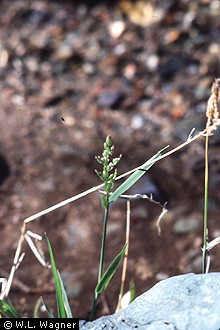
{"x": 72, "y": 72}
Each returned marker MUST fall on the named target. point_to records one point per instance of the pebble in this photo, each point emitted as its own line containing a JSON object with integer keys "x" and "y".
{"x": 110, "y": 99}
{"x": 152, "y": 62}
{"x": 130, "y": 71}
{"x": 188, "y": 224}
{"x": 143, "y": 269}
{"x": 116, "y": 29}
{"x": 137, "y": 122}
{"x": 40, "y": 41}
{"x": 161, "y": 276}
{"x": 32, "y": 64}
{"x": 4, "y": 57}
{"x": 89, "y": 68}
{"x": 64, "y": 52}
{"x": 120, "y": 49}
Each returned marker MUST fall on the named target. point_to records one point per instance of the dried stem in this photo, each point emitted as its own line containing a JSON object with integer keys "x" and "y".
{"x": 212, "y": 115}
{"x": 124, "y": 269}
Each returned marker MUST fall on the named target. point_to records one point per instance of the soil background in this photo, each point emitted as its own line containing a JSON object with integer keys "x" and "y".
{"x": 72, "y": 72}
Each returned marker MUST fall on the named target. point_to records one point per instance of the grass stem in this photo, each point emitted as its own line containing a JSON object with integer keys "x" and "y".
{"x": 101, "y": 261}
{"x": 102, "y": 251}
{"x": 96, "y": 296}
{"x": 205, "y": 221}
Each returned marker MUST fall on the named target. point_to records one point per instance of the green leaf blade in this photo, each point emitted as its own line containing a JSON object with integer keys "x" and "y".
{"x": 132, "y": 290}
{"x": 134, "y": 177}
{"x": 65, "y": 299}
{"x": 107, "y": 276}
{"x": 59, "y": 296}
{"x": 8, "y": 310}
{"x": 49, "y": 312}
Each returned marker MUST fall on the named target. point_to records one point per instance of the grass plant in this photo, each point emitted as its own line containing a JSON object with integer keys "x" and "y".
{"x": 63, "y": 307}
{"x": 109, "y": 175}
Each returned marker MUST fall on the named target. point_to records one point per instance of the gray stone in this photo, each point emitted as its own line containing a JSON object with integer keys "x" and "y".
{"x": 184, "y": 302}
{"x": 188, "y": 224}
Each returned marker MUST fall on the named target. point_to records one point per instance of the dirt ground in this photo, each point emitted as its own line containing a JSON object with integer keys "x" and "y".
{"x": 72, "y": 73}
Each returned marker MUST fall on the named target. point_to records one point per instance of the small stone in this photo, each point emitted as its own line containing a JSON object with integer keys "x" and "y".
{"x": 88, "y": 68}
{"x": 188, "y": 224}
{"x": 130, "y": 71}
{"x": 116, "y": 29}
{"x": 64, "y": 52}
{"x": 152, "y": 62}
{"x": 40, "y": 42}
{"x": 110, "y": 99}
{"x": 188, "y": 19}
{"x": 4, "y": 56}
{"x": 32, "y": 64}
{"x": 120, "y": 49}
{"x": 137, "y": 122}
{"x": 161, "y": 276}
{"x": 143, "y": 269}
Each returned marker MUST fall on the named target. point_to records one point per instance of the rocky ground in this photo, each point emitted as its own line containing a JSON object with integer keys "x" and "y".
{"x": 73, "y": 72}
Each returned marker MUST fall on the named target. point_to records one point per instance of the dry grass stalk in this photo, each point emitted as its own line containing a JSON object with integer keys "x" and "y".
{"x": 212, "y": 123}
{"x": 124, "y": 268}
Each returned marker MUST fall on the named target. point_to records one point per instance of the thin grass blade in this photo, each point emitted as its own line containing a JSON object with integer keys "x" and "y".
{"x": 9, "y": 302}
{"x": 65, "y": 299}
{"x": 59, "y": 296}
{"x": 107, "y": 276}
{"x": 37, "y": 307}
{"x": 8, "y": 310}
{"x": 135, "y": 177}
{"x": 47, "y": 309}
{"x": 132, "y": 289}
